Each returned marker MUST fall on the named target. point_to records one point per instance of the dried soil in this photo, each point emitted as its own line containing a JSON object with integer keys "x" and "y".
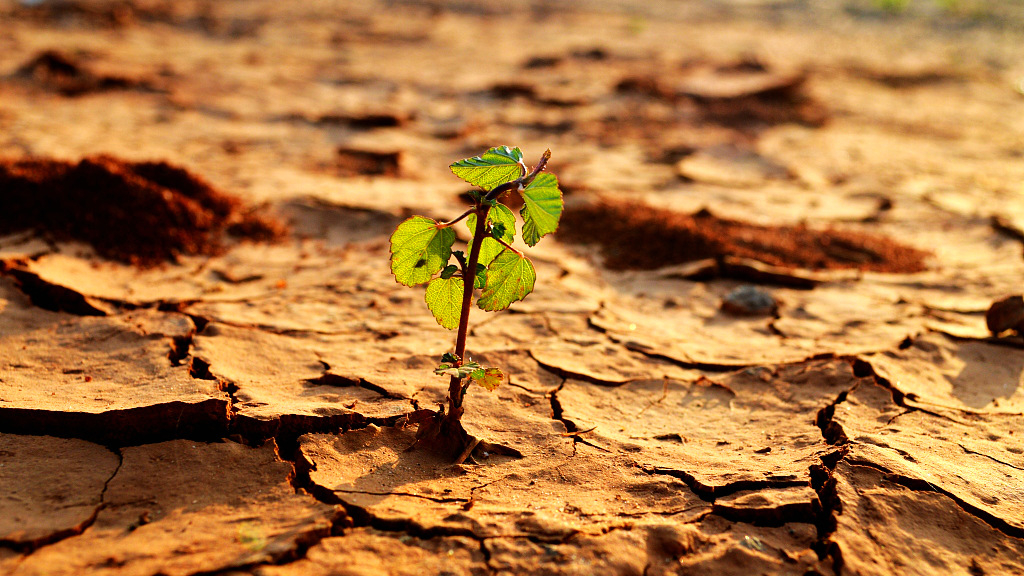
{"x": 173, "y": 401}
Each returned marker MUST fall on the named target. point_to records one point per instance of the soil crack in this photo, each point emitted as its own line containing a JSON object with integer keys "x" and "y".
{"x": 408, "y": 495}
{"x": 709, "y": 493}
{"x": 50, "y": 296}
{"x": 824, "y": 482}
{"x": 566, "y": 374}
{"x": 992, "y": 458}
{"x": 572, "y": 430}
{"x": 919, "y": 485}
{"x": 864, "y": 369}
{"x": 337, "y": 380}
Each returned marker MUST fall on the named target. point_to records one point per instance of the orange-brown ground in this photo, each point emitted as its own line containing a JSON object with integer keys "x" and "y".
{"x": 186, "y": 388}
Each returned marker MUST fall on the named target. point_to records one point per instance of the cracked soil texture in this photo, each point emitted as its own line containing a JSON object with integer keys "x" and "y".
{"x": 185, "y": 389}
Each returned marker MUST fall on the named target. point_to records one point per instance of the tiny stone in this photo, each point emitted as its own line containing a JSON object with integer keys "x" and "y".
{"x": 749, "y": 300}
{"x": 1006, "y": 314}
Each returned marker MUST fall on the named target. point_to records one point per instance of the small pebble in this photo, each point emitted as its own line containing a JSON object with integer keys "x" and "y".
{"x": 749, "y": 300}
{"x": 1006, "y": 314}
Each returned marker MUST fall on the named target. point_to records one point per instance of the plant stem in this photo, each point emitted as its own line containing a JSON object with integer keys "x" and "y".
{"x": 451, "y": 223}
{"x": 468, "y": 280}
{"x": 505, "y": 244}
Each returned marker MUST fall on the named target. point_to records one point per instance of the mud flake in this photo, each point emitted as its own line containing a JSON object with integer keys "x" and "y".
{"x": 69, "y": 75}
{"x": 830, "y": 319}
{"x": 356, "y": 161}
{"x": 370, "y": 552}
{"x": 53, "y": 487}
{"x": 725, "y": 166}
{"x": 280, "y": 384}
{"x": 970, "y": 375}
{"x": 744, "y": 96}
{"x": 770, "y": 507}
{"x": 87, "y": 363}
{"x": 885, "y": 527}
{"x": 605, "y": 363}
{"x": 180, "y": 507}
{"x": 975, "y": 462}
{"x": 372, "y": 470}
{"x": 717, "y": 447}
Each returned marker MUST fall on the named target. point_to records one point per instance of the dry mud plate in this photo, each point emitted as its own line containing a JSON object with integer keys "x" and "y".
{"x": 760, "y": 343}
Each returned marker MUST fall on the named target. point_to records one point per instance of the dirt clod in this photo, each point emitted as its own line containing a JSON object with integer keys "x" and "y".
{"x": 142, "y": 213}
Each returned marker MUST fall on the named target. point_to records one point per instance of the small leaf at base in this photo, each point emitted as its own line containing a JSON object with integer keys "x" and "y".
{"x": 449, "y": 369}
{"x": 488, "y": 378}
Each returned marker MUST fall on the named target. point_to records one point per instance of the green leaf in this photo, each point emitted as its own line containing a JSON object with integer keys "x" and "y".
{"x": 489, "y": 248}
{"x": 499, "y": 216}
{"x": 450, "y": 369}
{"x": 489, "y": 378}
{"x": 449, "y": 357}
{"x": 480, "y": 280}
{"x": 444, "y": 298}
{"x": 460, "y": 256}
{"x": 492, "y": 168}
{"x": 510, "y": 277}
{"x": 542, "y": 208}
{"x": 449, "y": 271}
{"x": 503, "y": 216}
{"x": 419, "y": 249}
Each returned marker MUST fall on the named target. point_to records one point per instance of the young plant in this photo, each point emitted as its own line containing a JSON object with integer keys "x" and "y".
{"x": 421, "y": 253}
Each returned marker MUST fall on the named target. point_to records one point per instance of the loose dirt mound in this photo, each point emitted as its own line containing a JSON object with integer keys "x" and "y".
{"x": 143, "y": 213}
{"x": 635, "y": 236}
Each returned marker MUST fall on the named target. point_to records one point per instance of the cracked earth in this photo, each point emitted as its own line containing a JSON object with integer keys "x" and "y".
{"x": 758, "y": 345}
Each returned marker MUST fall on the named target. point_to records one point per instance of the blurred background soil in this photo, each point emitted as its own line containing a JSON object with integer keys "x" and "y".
{"x": 758, "y": 343}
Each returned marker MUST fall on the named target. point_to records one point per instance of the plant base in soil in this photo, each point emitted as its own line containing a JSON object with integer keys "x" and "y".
{"x": 442, "y": 433}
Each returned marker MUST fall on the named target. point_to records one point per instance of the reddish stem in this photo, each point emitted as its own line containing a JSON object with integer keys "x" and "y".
{"x": 468, "y": 279}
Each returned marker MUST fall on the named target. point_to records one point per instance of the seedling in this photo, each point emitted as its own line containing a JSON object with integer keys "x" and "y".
{"x": 421, "y": 253}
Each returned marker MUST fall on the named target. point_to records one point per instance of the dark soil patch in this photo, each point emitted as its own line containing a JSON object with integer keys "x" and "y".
{"x": 634, "y": 236}
{"x": 143, "y": 213}
{"x": 353, "y": 162}
{"x": 746, "y": 94}
{"x": 67, "y": 75}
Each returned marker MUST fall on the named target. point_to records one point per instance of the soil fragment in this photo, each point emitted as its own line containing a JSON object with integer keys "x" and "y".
{"x": 141, "y": 213}
{"x": 635, "y": 236}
